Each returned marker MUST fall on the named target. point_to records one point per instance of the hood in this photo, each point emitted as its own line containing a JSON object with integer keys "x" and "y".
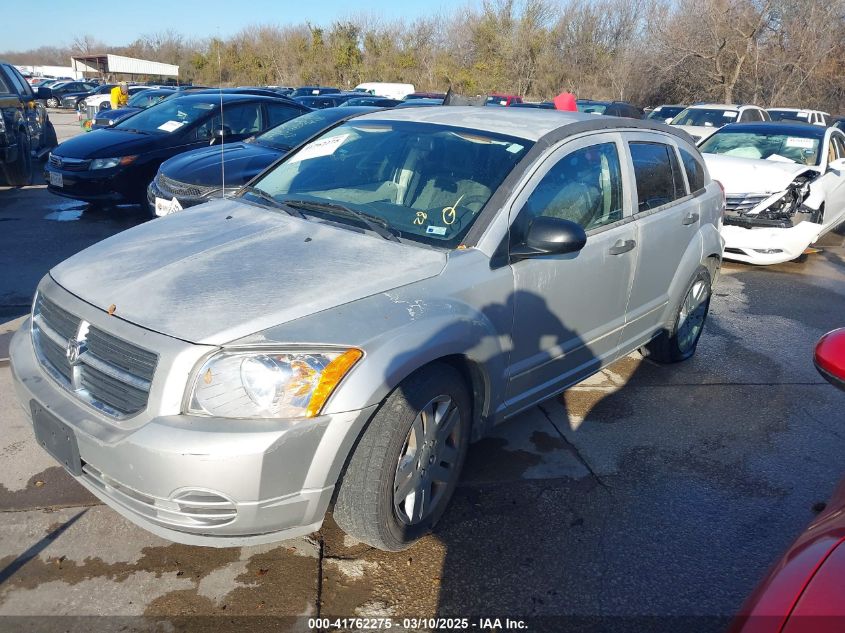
{"x": 107, "y": 142}
{"x": 226, "y": 269}
{"x": 120, "y": 113}
{"x": 699, "y": 132}
{"x": 752, "y": 175}
{"x": 202, "y": 166}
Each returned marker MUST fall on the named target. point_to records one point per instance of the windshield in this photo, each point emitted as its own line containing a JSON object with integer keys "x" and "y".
{"x": 665, "y": 112}
{"x": 168, "y": 116}
{"x": 591, "y": 108}
{"x": 423, "y": 182}
{"x": 789, "y": 115}
{"x": 146, "y": 98}
{"x": 761, "y": 145}
{"x": 300, "y": 129}
{"x": 705, "y": 117}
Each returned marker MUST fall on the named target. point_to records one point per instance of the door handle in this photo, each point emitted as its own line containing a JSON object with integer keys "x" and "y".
{"x": 691, "y": 218}
{"x": 622, "y": 246}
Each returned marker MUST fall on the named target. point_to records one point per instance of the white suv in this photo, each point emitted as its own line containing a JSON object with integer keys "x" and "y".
{"x": 798, "y": 115}
{"x": 701, "y": 120}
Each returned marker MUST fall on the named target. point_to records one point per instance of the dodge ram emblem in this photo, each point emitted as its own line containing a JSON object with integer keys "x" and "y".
{"x": 72, "y": 351}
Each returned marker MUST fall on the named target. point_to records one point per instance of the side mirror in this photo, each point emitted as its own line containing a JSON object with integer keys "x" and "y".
{"x": 549, "y": 236}
{"x": 838, "y": 164}
{"x": 829, "y": 357}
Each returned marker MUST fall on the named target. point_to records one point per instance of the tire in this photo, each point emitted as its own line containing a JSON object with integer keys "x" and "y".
{"x": 52, "y": 102}
{"x": 19, "y": 173}
{"x": 680, "y": 341}
{"x": 49, "y": 140}
{"x": 370, "y": 505}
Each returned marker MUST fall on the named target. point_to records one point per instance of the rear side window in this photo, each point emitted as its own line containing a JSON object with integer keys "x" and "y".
{"x": 694, "y": 169}
{"x": 658, "y": 175}
{"x": 584, "y": 187}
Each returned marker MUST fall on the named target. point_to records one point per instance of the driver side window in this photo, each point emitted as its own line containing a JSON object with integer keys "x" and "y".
{"x": 584, "y": 186}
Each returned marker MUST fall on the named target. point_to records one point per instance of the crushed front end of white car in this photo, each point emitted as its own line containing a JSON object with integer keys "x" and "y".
{"x": 773, "y": 210}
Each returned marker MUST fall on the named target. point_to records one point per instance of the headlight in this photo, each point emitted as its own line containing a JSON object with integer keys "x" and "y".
{"x": 256, "y": 384}
{"x": 106, "y": 163}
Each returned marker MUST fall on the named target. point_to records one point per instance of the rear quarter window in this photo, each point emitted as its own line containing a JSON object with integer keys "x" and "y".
{"x": 694, "y": 169}
{"x": 657, "y": 174}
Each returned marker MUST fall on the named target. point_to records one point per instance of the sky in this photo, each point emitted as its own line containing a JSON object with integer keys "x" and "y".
{"x": 119, "y": 23}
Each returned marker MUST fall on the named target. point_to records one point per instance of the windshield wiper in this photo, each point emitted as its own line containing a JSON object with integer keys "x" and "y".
{"x": 128, "y": 129}
{"x": 266, "y": 197}
{"x": 373, "y": 222}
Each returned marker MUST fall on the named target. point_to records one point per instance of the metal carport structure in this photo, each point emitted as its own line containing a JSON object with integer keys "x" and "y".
{"x": 108, "y": 64}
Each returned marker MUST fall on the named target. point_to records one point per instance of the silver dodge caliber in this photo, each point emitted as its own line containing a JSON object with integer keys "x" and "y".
{"x": 337, "y": 334}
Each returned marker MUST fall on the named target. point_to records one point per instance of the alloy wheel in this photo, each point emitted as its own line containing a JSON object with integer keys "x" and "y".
{"x": 427, "y": 463}
{"x": 693, "y": 312}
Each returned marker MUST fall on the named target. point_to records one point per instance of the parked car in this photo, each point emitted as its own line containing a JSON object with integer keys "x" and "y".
{"x": 785, "y": 187}
{"x": 72, "y": 100}
{"x": 304, "y": 91}
{"x": 197, "y": 176}
{"x": 416, "y": 103}
{"x": 803, "y": 591}
{"x": 331, "y": 100}
{"x": 425, "y": 95}
{"x": 115, "y": 164}
{"x": 665, "y": 113}
{"x": 25, "y": 127}
{"x": 100, "y": 102}
{"x": 702, "y": 119}
{"x": 609, "y": 108}
{"x": 139, "y": 101}
{"x": 376, "y": 102}
{"x": 816, "y": 117}
{"x": 543, "y": 105}
{"x": 341, "y": 329}
{"x": 499, "y": 99}
{"x": 53, "y": 95}
{"x": 396, "y": 91}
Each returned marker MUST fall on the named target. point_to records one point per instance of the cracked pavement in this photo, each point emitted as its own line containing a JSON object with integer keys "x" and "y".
{"x": 646, "y": 490}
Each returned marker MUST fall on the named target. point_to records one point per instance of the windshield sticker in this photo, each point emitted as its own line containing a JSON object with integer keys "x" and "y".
{"x": 729, "y": 114}
{"x": 514, "y": 148}
{"x": 436, "y": 230}
{"x": 171, "y": 126}
{"x": 322, "y": 147}
{"x": 797, "y": 141}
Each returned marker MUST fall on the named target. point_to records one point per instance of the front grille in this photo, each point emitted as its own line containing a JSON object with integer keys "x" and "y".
{"x": 109, "y": 373}
{"x": 69, "y": 164}
{"x": 178, "y": 189}
{"x": 189, "y": 508}
{"x": 740, "y": 202}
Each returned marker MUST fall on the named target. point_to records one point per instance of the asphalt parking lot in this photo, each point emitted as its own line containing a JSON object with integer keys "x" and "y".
{"x": 645, "y": 492}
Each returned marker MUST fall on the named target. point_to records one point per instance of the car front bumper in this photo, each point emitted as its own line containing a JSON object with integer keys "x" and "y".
{"x": 102, "y": 185}
{"x": 766, "y": 246}
{"x": 195, "y": 480}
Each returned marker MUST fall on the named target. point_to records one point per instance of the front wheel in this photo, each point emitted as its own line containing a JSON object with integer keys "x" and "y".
{"x": 680, "y": 341}
{"x": 19, "y": 173}
{"x": 52, "y": 102}
{"x": 404, "y": 470}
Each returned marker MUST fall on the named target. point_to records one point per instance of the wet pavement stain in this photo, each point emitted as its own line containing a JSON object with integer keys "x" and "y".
{"x": 489, "y": 460}
{"x": 67, "y": 215}
{"x": 51, "y": 488}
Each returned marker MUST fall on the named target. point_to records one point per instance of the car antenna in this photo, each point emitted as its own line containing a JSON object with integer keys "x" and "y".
{"x": 220, "y": 92}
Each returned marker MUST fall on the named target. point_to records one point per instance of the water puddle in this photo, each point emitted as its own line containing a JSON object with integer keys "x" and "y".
{"x": 64, "y": 215}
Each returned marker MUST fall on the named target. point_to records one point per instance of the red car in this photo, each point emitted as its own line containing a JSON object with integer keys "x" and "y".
{"x": 496, "y": 99}
{"x": 805, "y": 591}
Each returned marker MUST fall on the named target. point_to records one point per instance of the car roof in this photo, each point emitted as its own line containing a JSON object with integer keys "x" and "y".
{"x": 777, "y": 127}
{"x": 722, "y": 106}
{"x": 206, "y": 97}
{"x": 528, "y": 123}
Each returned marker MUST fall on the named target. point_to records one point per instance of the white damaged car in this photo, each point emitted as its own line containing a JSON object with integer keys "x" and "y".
{"x": 784, "y": 186}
